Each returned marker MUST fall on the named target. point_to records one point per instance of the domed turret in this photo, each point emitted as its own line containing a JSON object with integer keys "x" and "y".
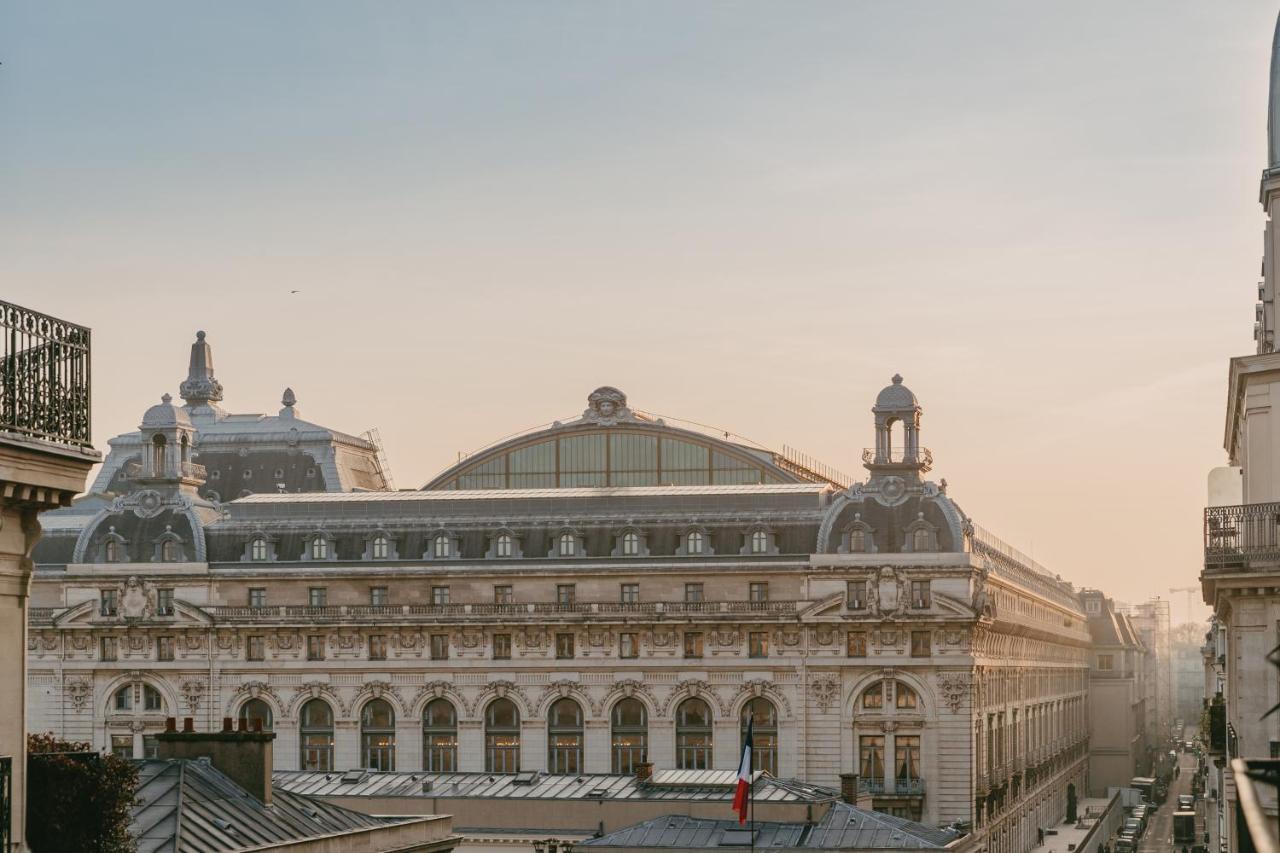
{"x": 896, "y": 397}
{"x": 897, "y": 404}
{"x": 167, "y": 439}
{"x": 165, "y": 414}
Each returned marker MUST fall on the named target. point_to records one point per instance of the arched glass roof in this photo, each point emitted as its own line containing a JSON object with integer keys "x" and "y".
{"x": 614, "y": 446}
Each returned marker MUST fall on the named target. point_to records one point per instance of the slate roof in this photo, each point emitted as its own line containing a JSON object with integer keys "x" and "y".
{"x": 842, "y": 828}
{"x": 188, "y": 806}
{"x": 666, "y": 785}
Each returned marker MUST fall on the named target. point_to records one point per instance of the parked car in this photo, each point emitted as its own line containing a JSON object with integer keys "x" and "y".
{"x": 1186, "y": 802}
{"x": 1125, "y": 843}
{"x": 1132, "y": 826}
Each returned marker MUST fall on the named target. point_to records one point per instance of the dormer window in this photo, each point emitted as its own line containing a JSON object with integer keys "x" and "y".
{"x": 169, "y": 551}
{"x": 111, "y": 552}
{"x": 258, "y": 550}
{"x": 693, "y": 543}
{"x": 502, "y": 545}
{"x": 379, "y": 547}
{"x": 920, "y": 540}
{"x": 568, "y": 545}
{"x": 857, "y": 541}
{"x": 759, "y": 542}
{"x": 630, "y": 544}
{"x": 441, "y": 546}
{"x": 319, "y": 548}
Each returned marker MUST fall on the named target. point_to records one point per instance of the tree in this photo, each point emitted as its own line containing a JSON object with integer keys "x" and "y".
{"x": 78, "y": 801}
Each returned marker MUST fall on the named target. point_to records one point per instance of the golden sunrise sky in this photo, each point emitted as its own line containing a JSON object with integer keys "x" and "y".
{"x": 747, "y": 214}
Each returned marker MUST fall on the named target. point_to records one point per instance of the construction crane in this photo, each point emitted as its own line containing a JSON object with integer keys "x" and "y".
{"x": 1189, "y": 590}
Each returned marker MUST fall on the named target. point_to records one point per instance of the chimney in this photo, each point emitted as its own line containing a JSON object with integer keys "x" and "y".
{"x": 849, "y": 788}
{"x": 644, "y": 771}
{"x": 244, "y": 756}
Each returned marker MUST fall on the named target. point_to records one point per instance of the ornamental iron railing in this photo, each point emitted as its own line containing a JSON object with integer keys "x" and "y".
{"x": 1236, "y": 535}
{"x": 44, "y": 377}
{"x": 922, "y": 456}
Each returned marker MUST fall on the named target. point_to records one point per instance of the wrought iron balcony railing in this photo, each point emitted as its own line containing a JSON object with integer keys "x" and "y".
{"x": 1234, "y": 536}
{"x": 44, "y": 377}
{"x": 898, "y": 456}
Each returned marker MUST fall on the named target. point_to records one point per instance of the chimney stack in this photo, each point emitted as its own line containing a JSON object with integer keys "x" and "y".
{"x": 849, "y": 788}
{"x": 244, "y": 756}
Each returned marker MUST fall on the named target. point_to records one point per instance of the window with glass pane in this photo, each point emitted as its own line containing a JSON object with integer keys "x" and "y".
{"x": 439, "y": 646}
{"x": 111, "y": 551}
{"x": 164, "y": 648}
{"x": 377, "y": 647}
{"x": 124, "y": 698}
{"x": 857, "y": 644}
{"x": 630, "y": 593}
{"x": 502, "y": 546}
{"x": 693, "y": 644}
{"x": 318, "y": 596}
{"x": 439, "y": 595}
{"x": 533, "y": 467}
{"x": 871, "y": 758}
{"x": 501, "y": 737}
{"x": 319, "y": 548}
{"x": 164, "y": 602}
{"x": 568, "y": 545}
{"x": 503, "y": 595}
{"x": 257, "y": 597}
{"x": 920, "y": 594}
{"x": 258, "y": 549}
{"x": 758, "y": 591}
{"x": 256, "y": 648}
{"x": 255, "y": 712}
{"x": 122, "y": 746}
{"x": 380, "y": 547}
{"x": 857, "y": 540}
{"x": 921, "y": 540}
{"x": 630, "y": 732}
{"x": 316, "y": 736}
{"x": 108, "y": 604}
{"x": 169, "y": 551}
{"x": 441, "y": 546}
{"x": 150, "y": 746}
{"x": 920, "y": 646}
{"x": 759, "y": 542}
{"x": 906, "y": 757}
{"x": 685, "y": 463}
{"x": 764, "y": 734}
{"x": 692, "y": 593}
{"x": 873, "y": 696}
{"x": 315, "y": 647}
{"x": 107, "y": 648}
{"x": 564, "y": 594}
{"x": 904, "y": 697}
{"x": 564, "y": 737}
{"x": 856, "y": 596}
{"x": 502, "y": 647}
{"x": 378, "y": 596}
{"x": 440, "y": 737}
{"x": 630, "y": 544}
{"x": 758, "y": 644}
{"x": 628, "y": 645}
{"x": 378, "y": 735}
{"x": 151, "y": 700}
{"x": 693, "y": 735}
{"x": 564, "y": 646}
{"x": 583, "y": 461}
{"x": 693, "y": 542}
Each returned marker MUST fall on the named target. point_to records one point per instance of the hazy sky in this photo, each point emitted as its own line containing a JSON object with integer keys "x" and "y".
{"x": 746, "y": 214}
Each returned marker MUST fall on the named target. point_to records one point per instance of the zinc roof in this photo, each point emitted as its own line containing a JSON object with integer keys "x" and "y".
{"x": 446, "y": 495}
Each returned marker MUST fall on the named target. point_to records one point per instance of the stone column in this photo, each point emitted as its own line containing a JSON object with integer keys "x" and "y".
{"x": 34, "y": 476}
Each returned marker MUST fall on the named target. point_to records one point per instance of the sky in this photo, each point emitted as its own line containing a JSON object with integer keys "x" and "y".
{"x": 746, "y": 214}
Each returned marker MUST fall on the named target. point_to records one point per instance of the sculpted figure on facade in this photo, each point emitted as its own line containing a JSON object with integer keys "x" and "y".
{"x": 137, "y": 599}
{"x": 607, "y": 406}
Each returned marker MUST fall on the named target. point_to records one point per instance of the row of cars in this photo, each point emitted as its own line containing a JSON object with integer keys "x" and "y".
{"x": 1134, "y": 826}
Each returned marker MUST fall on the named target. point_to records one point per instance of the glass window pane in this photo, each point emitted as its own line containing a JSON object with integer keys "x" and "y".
{"x": 582, "y": 453}
{"x": 537, "y": 458}
{"x": 632, "y": 452}
{"x": 683, "y": 456}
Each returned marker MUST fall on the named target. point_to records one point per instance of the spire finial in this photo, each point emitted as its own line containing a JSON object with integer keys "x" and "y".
{"x": 897, "y": 379}
{"x": 200, "y": 387}
{"x": 166, "y": 398}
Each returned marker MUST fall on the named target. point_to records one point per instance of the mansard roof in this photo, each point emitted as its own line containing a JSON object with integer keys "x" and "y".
{"x": 614, "y": 445}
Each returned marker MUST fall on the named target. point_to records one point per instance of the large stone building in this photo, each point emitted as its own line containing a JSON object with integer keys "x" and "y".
{"x": 610, "y": 591}
{"x": 1119, "y": 748}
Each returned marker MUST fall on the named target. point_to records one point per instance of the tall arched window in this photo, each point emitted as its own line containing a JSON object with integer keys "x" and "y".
{"x": 873, "y": 696}
{"x": 693, "y": 735}
{"x": 568, "y": 545}
{"x": 502, "y": 737}
{"x": 502, "y": 545}
{"x": 630, "y": 735}
{"x": 258, "y": 549}
{"x": 316, "y": 732}
{"x": 693, "y": 542}
{"x": 378, "y": 735}
{"x": 319, "y": 548}
{"x": 157, "y": 456}
{"x": 379, "y": 548}
{"x": 630, "y": 544}
{"x": 564, "y": 737}
{"x": 440, "y": 737}
{"x": 764, "y": 734}
{"x": 256, "y": 710}
{"x": 441, "y": 545}
{"x": 759, "y": 542}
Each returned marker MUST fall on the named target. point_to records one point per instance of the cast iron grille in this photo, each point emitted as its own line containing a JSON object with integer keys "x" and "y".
{"x": 44, "y": 377}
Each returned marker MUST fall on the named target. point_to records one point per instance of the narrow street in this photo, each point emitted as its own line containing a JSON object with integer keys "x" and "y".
{"x": 1159, "y": 835}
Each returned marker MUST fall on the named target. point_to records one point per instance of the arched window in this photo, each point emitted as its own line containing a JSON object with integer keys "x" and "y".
{"x": 904, "y": 697}
{"x": 630, "y": 735}
{"x": 379, "y": 548}
{"x": 319, "y": 548}
{"x": 316, "y": 730}
{"x": 258, "y": 549}
{"x": 759, "y": 542}
{"x": 502, "y": 545}
{"x": 157, "y": 456}
{"x": 440, "y": 737}
{"x": 169, "y": 551}
{"x": 441, "y": 546}
{"x": 568, "y": 545}
{"x": 124, "y": 698}
{"x": 564, "y": 737}
{"x": 693, "y": 542}
{"x": 151, "y": 699}
{"x": 693, "y": 735}
{"x": 920, "y": 540}
{"x": 764, "y": 734}
{"x": 256, "y": 711}
{"x": 110, "y": 553}
{"x": 502, "y": 737}
{"x": 378, "y": 735}
{"x": 857, "y": 541}
{"x": 630, "y": 544}
{"x": 873, "y": 696}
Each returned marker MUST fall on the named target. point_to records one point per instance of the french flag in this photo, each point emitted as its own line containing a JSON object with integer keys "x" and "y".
{"x": 742, "y": 796}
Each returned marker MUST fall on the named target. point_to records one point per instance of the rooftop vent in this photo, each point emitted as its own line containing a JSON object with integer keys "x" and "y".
{"x": 426, "y": 786}
{"x": 352, "y": 776}
{"x": 224, "y": 825}
{"x": 598, "y": 793}
{"x": 527, "y": 778}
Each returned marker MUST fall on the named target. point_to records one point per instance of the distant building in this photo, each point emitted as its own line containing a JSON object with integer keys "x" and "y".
{"x": 1151, "y": 622}
{"x": 612, "y": 590}
{"x": 1187, "y": 669}
{"x": 1119, "y": 747}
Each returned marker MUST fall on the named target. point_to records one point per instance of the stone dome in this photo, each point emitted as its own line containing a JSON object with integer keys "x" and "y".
{"x": 165, "y": 414}
{"x": 896, "y": 396}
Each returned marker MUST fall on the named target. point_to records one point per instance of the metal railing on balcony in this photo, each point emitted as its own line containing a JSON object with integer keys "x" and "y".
{"x": 44, "y": 377}
{"x": 898, "y": 456}
{"x": 1236, "y": 535}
